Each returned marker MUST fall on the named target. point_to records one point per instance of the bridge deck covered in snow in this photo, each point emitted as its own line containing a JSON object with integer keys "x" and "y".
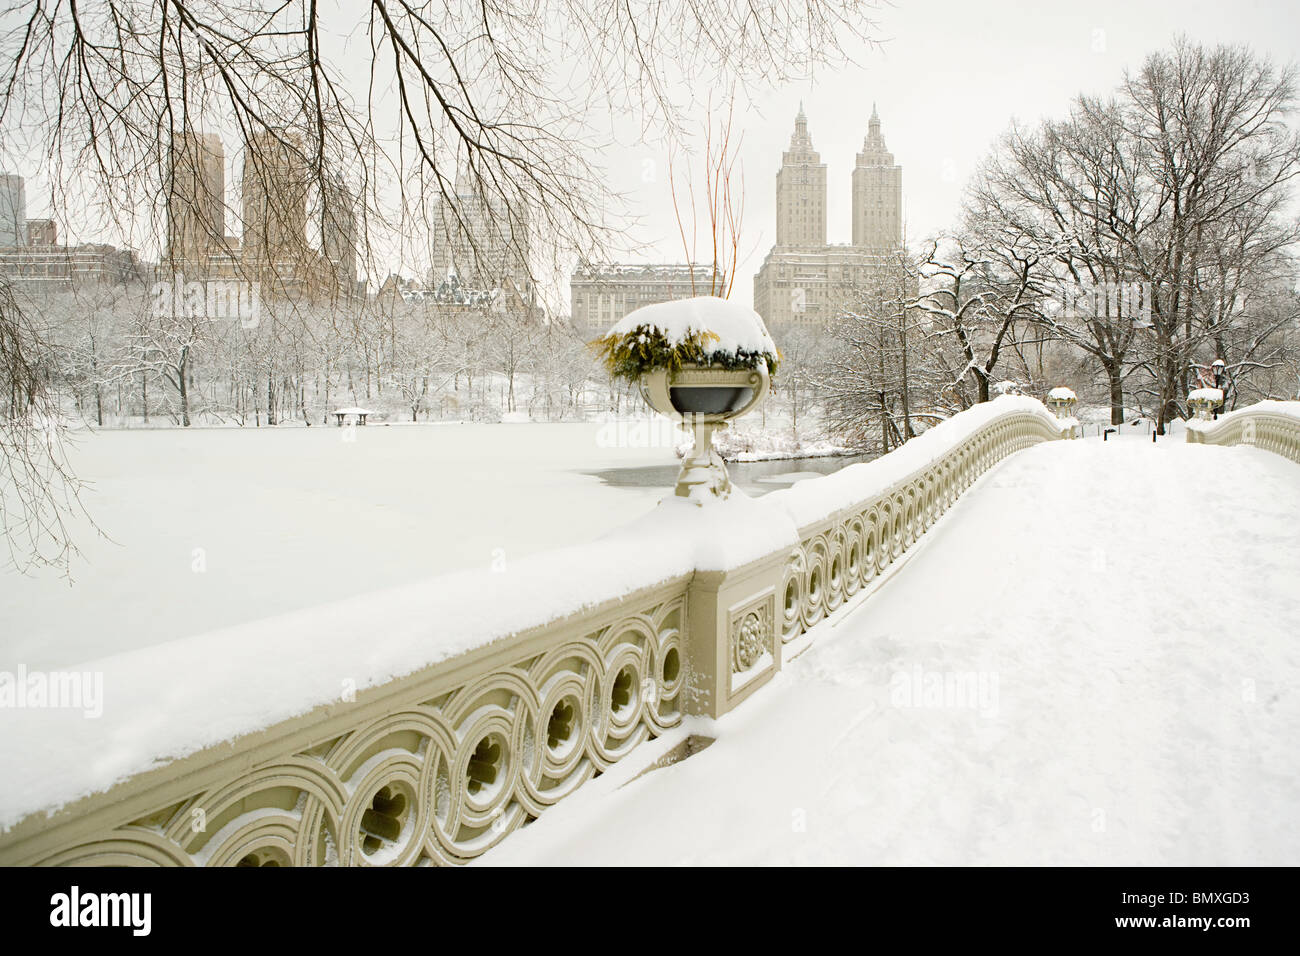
{"x": 1092, "y": 658}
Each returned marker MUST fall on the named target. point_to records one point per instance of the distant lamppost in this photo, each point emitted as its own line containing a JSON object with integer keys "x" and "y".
{"x": 1220, "y": 370}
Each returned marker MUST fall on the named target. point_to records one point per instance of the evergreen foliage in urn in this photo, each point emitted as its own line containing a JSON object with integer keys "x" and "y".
{"x": 703, "y": 332}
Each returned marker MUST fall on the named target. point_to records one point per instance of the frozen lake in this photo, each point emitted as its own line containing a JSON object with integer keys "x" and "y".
{"x": 214, "y": 527}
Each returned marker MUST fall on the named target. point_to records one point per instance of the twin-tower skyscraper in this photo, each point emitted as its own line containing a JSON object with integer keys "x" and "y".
{"x": 804, "y": 277}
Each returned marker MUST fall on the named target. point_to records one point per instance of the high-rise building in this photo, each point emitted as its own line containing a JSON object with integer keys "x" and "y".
{"x": 804, "y": 278}
{"x": 196, "y": 202}
{"x": 339, "y": 232}
{"x": 801, "y": 191}
{"x": 877, "y": 193}
{"x": 13, "y": 211}
{"x": 274, "y": 249}
{"x": 482, "y": 240}
{"x": 276, "y": 181}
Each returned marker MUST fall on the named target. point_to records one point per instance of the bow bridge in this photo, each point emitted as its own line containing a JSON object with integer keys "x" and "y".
{"x": 995, "y": 644}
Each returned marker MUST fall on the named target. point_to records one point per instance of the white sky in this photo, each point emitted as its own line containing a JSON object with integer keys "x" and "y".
{"x": 949, "y": 79}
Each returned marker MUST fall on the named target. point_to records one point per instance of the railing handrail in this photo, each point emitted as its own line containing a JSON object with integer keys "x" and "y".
{"x": 1271, "y": 425}
{"x": 542, "y": 589}
{"x": 899, "y": 467}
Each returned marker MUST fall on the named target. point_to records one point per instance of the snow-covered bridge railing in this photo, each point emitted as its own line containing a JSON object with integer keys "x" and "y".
{"x": 855, "y": 523}
{"x": 390, "y": 729}
{"x": 1272, "y": 426}
{"x": 424, "y": 724}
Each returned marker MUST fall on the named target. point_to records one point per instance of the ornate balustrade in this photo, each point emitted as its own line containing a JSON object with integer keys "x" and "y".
{"x": 850, "y": 548}
{"x": 435, "y": 767}
{"x": 448, "y": 746}
{"x": 1272, "y": 426}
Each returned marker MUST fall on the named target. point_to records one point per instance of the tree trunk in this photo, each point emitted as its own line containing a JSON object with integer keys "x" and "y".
{"x": 1116, "y": 392}
{"x": 182, "y": 385}
{"x": 907, "y": 407}
{"x": 325, "y": 414}
{"x": 884, "y": 424}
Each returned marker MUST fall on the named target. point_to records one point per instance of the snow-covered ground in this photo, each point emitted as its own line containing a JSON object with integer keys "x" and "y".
{"x": 211, "y": 527}
{"x": 215, "y": 527}
{"x": 1092, "y": 659}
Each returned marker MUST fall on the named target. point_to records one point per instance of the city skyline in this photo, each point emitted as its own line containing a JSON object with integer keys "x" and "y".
{"x": 923, "y": 79}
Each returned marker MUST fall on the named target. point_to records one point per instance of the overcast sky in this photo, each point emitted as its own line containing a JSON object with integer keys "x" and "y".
{"x": 948, "y": 79}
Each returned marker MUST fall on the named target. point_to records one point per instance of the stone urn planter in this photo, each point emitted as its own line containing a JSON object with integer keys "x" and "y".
{"x": 1203, "y": 402}
{"x": 702, "y": 361}
{"x": 706, "y": 399}
{"x": 1062, "y": 400}
{"x": 696, "y": 392}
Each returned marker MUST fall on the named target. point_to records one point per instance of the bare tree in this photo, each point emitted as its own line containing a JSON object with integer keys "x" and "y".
{"x": 880, "y": 383}
{"x": 1178, "y": 184}
{"x": 39, "y": 494}
{"x": 724, "y": 209}
{"x": 165, "y": 346}
{"x": 1046, "y": 205}
{"x": 512, "y": 330}
{"x": 803, "y": 347}
{"x": 975, "y": 298}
